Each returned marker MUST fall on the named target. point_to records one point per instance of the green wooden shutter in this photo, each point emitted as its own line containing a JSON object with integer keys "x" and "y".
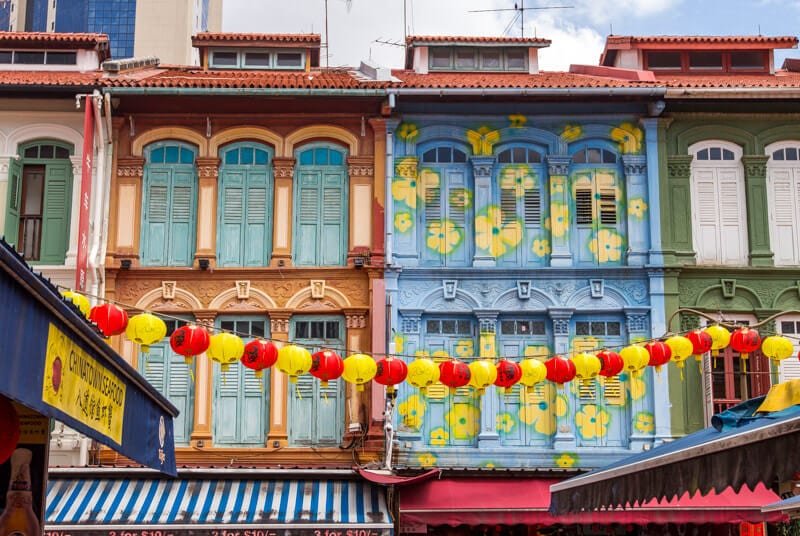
{"x": 230, "y": 219}
{"x": 182, "y": 232}
{"x": 155, "y": 223}
{"x": 257, "y": 231}
{"x": 308, "y": 216}
{"x": 333, "y": 243}
{"x": 55, "y": 213}
{"x": 14, "y": 198}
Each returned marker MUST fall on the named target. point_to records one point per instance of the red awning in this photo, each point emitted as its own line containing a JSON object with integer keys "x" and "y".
{"x": 483, "y": 501}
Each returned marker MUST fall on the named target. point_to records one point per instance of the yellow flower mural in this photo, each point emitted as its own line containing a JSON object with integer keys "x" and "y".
{"x": 559, "y": 220}
{"x": 592, "y": 422}
{"x": 517, "y": 120}
{"x": 406, "y": 167}
{"x": 644, "y": 422}
{"x": 407, "y": 131}
{"x": 517, "y": 177}
{"x": 403, "y": 222}
{"x": 427, "y": 459}
{"x": 566, "y": 460}
{"x": 571, "y": 132}
{"x": 464, "y": 421}
{"x": 460, "y": 197}
{"x": 637, "y": 207}
{"x": 412, "y": 411}
{"x": 399, "y": 342}
{"x": 404, "y": 189}
{"x": 482, "y": 140}
{"x": 537, "y": 351}
{"x": 505, "y": 423}
{"x": 606, "y": 246}
{"x": 492, "y": 236}
{"x": 444, "y": 236}
{"x": 439, "y": 437}
{"x": 540, "y": 416}
{"x": 541, "y": 247}
{"x": 464, "y": 348}
{"x": 637, "y": 387}
{"x": 488, "y": 344}
{"x": 629, "y": 137}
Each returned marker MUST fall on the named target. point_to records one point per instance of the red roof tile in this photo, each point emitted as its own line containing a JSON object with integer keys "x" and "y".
{"x": 510, "y": 80}
{"x": 228, "y": 38}
{"x": 54, "y": 40}
{"x": 443, "y": 39}
{"x": 614, "y": 41}
{"x": 49, "y": 78}
{"x": 781, "y": 79}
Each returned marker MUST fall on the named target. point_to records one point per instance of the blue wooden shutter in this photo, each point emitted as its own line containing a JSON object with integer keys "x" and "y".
{"x": 168, "y": 373}
{"x": 230, "y": 220}
{"x": 14, "y": 199}
{"x": 458, "y": 213}
{"x": 432, "y": 214}
{"x": 227, "y": 412}
{"x": 155, "y": 224}
{"x": 55, "y": 213}
{"x": 332, "y": 243}
{"x": 257, "y": 231}
{"x": 182, "y": 231}
{"x": 308, "y": 215}
{"x": 328, "y": 413}
{"x": 303, "y": 417}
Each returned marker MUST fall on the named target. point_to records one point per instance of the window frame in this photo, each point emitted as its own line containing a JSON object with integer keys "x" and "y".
{"x": 726, "y": 66}
{"x": 241, "y": 59}
{"x": 478, "y": 62}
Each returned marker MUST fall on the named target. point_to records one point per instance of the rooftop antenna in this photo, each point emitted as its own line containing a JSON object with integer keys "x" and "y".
{"x": 519, "y": 12}
{"x": 349, "y": 4}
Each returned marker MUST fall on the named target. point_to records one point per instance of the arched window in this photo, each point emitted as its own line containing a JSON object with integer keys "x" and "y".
{"x": 521, "y": 239}
{"x": 783, "y": 182}
{"x": 719, "y": 214}
{"x": 244, "y": 227}
{"x": 169, "y": 204}
{"x": 597, "y": 216}
{"x": 39, "y": 201}
{"x": 320, "y": 205}
{"x": 445, "y": 225}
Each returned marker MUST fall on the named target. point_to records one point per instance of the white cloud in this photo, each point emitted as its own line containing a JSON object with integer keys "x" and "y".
{"x": 605, "y": 11}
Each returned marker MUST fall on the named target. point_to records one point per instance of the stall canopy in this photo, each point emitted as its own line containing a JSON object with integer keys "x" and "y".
{"x": 54, "y": 362}
{"x": 748, "y": 444}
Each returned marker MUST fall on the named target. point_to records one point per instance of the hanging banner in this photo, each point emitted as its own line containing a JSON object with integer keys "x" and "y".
{"x": 86, "y": 194}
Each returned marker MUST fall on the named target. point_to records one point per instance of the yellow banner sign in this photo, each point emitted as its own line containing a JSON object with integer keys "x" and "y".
{"x": 75, "y": 383}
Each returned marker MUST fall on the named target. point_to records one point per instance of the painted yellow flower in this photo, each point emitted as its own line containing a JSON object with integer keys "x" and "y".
{"x": 464, "y": 421}
{"x": 460, "y": 197}
{"x": 517, "y": 120}
{"x": 489, "y": 465}
{"x": 407, "y": 131}
{"x": 637, "y": 387}
{"x": 644, "y": 422}
{"x": 406, "y": 167}
{"x": 427, "y": 459}
{"x": 444, "y": 236}
{"x": 422, "y": 354}
{"x": 566, "y": 460}
{"x": 494, "y": 237}
{"x": 482, "y": 140}
{"x": 519, "y": 177}
{"x": 556, "y": 187}
{"x": 592, "y": 422}
{"x": 399, "y": 342}
{"x": 439, "y": 437}
{"x": 505, "y": 423}
{"x": 465, "y": 348}
{"x": 637, "y": 207}
{"x": 571, "y": 132}
{"x": 537, "y": 351}
{"x": 404, "y": 189}
{"x": 584, "y": 343}
{"x": 540, "y": 416}
{"x": 403, "y": 222}
{"x": 629, "y": 137}
{"x": 440, "y": 355}
{"x": 488, "y": 344}
{"x": 412, "y": 411}
{"x": 606, "y": 246}
{"x": 559, "y": 219}
{"x": 541, "y": 247}
{"x": 562, "y": 404}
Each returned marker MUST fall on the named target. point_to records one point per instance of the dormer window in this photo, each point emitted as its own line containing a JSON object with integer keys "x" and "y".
{"x": 477, "y": 59}
{"x": 37, "y": 57}
{"x": 707, "y": 61}
{"x": 257, "y": 59}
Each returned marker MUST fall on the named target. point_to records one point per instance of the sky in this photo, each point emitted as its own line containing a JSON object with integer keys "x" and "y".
{"x": 578, "y": 33}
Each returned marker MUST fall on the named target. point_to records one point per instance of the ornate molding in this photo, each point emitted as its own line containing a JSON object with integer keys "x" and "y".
{"x": 360, "y": 166}
{"x": 634, "y": 164}
{"x": 636, "y": 322}
{"x": 482, "y": 166}
{"x": 242, "y": 290}
{"x": 279, "y": 321}
{"x": 755, "y": 166}
{"x": 407, "y": 166}
{"x": 558, "y": 165}
{"x": 356, "y": 318}
{"x": 130, "y": 167}
{"x": 283, "y": 167}
{"x": 168, "y": 290}
{"x": 208, "y": 168}
{"x": 679, "y": 166}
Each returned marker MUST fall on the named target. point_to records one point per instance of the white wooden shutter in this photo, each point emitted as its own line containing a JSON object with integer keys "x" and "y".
{"x": 706, "y": 217}
{"x": 733, "y": 213}
{"x": 785, "y": 204}
{"x": 790, "y": 367}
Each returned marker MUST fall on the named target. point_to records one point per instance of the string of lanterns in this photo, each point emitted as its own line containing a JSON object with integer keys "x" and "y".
{"x": 226, "y": 348}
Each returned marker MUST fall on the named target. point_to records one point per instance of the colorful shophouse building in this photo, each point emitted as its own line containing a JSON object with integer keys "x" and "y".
{"x": 730, "y": 201}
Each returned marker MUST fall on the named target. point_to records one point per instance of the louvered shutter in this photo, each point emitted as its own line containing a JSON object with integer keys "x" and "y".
{"x": 14, "y": 199}
{"x": 227, "y": 413}
{"x": 328, "y": 414}
{"x": 733, "y": 215}
{"x": 253, "y": 420}
{"x": 457, "y": 212}
{"x": 55, "y": 213}
{"x": 303, "y": 419}
{"x": 533, "y": 208}
{"x": 707, "y": 217}
{"x": 332, "y": 244}
{"x": 308, "y": 218}
{"x": 790, "y": 368}
{"x": 583, "y": 206}
{"x": 182, "y": 235}
{"x": 169, "y": 374}
{"x": 155, "y": 225}
{"x": 785, "y": 194}
{"x": 432, "y": 194}
{"x": 232, "y": 194}
{"x": 607, "y": 205}
{"x": 256, "y": 232}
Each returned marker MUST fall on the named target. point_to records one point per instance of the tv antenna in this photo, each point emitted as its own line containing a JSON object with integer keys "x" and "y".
{"x": 349, "y": 4}
{"x": 519, "y": 13}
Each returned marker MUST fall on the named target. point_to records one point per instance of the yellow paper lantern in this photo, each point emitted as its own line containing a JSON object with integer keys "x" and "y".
{"x": 681, "y": 348}
{"x": 720, "y": 337}
{"x": 483, "y": 373}
{"x": 359, "y": 369}
{"x": 533, "y": 372}
{"x": 81, "y": 301}
{"x": 587, "y": 366}
{"x": 422, "y": 373}
{"x": 145, "y": 329}
{"x": 294, "y": 361}
{"x": 635, "y": 359}
{"x": 225, "y": 349}
{"x": 777, "y": 348}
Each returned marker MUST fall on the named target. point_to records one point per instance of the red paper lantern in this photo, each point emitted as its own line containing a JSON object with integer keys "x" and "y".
{"x": 701, "y": 342}
{"x": 390, "y": 372}
{"x": 9, "y": 429}
{"x": 745, "y": 340}
{"x": 560, "y": 370}
{"x": 611, "y": 363}
{"x": 660, "y": 354}
{"x": 454, "y": 373}
{"x": 259, "y": 355}
{"x": 110, "y": 319}
{"x": 189, "y": 340}
{"x": 326, "y": 365}
{"x": 508, "y": 373}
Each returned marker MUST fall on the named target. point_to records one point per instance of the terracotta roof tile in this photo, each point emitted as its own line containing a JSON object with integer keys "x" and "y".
{"x": 54, "y": 40}
{"x": 510, "y": 80}
{"x": 781, "y": 79}
{"x": 230, "y": 38}
{"x": 769, "y": 42}
{"x": 423, "y": 39}
{"x": 49, "y": 78}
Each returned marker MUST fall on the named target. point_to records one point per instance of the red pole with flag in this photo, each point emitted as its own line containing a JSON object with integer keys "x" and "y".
{"x": 81, "y": 267}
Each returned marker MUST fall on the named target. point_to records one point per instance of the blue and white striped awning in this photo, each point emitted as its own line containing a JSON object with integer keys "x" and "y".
{"x": 172, "y": 506}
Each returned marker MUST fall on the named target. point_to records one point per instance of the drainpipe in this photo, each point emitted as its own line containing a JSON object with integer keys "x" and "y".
{"x": 100, "y": 193}
{"x": 389, "y": 203}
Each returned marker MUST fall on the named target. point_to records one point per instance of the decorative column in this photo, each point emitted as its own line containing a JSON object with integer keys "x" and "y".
{"x": 378, "y": 330}
{"x": 488, "y": 436}
{"x": 755, "y": 180}
{"x": 283, "y": 171}
{"x": 125, "y": 215}
{"x": 361, "y": 172}
{"x": 4, "y": 160}
{"x": 406, "y": 193}
{"x": 636, "y": 321}
{"x": 203, "y": 386}
{"x": 378, "y": 125}
{"x": 637, "y": 208}
{"x": 409, "y": 321}
{"x": 72, "y": 250}
{"x": 558, "y": 168}
{"x": 278, "y": 384}
{"x": 655, "y": 131}
{"x": 356, "y": 340}
{"x": 207, "y": 173}
{"x": 678, "y": 239}
{"x": 565, "y": 433}
{"x": 482, "y": 167}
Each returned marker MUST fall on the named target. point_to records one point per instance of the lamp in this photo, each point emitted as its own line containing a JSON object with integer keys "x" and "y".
{"x": 358, "y": 262}
{"x": 125, "y": 264}
{"x": 203, "y": 263}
